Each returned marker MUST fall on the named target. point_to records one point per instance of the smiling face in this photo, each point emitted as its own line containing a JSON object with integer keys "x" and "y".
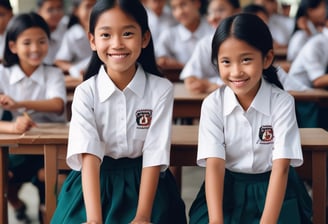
{"x": 52, "y": 12}
{"x": 186, "y": 12}
{"x": 241, "y": 67}
{"x": 118, "y": 40}
{"x": 218, "y": 10}
{"x": 31, "y": 47}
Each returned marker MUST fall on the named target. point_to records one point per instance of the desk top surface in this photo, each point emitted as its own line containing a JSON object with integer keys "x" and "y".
{"x": 55, "y": 133}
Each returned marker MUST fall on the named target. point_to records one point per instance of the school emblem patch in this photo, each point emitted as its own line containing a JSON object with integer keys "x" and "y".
{"x": 266, "y": 134}
{"x": 143, "y": 118}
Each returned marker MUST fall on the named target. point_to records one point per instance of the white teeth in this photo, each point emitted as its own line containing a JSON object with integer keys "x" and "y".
{"x": 118, "y": 55}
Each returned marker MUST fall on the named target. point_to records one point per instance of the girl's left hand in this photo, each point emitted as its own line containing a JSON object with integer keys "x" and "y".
{"x": 140, "y": 221}
{"x": 8, "y": 103}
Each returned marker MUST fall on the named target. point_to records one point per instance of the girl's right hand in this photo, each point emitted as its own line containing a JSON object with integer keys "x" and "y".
{"x": 22, "y": 124}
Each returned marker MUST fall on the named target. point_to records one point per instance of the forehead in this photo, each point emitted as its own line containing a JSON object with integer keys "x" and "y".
{"x": 234, "y": 46}
{"x": 32, "y": 32}
{"x": 115, "y": 17}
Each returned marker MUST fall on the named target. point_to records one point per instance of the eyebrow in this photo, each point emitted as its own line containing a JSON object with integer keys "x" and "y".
{"x": 124, "y": 27}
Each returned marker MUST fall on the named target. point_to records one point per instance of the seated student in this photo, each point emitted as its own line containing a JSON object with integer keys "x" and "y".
{"x": 281, "y": 26}
{"x": 6, "y": 13}
{"x": 159, "y": 17}
{"x": 52, "y": 11}
{"x": 75, "y": 52}
{"x": 199, "y": 74}
{"x": 27, "y": 85}
{"x": 310, "y": 68}
{"x": 176, "y": 44}
{"x": 314, "y": 13}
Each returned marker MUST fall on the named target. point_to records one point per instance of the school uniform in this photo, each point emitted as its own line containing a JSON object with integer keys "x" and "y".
{"x": 46, "y": 82}
{"x": 159, "y": 23}
{"x": 281, "y": 28}
{"x": 178, "y": 42}
{"x": 55, "y": 41}
{"x": 75, "y": 47}
{"x": 298, "y": 39}
{"x": 310, "y": 64}
{"x": 266, "y": 131}
{"x": 200, "y": 64}
{"x": 127, "y": 130}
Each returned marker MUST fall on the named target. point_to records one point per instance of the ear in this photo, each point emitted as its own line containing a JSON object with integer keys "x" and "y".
{"x": 12, "y": 47}
{"x": 268, "y": 59}
{"x": 145, "y": 39}
{"x": 92, "y": 41}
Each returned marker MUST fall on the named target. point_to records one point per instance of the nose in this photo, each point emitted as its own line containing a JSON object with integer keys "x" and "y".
{"x": 235, "y": 70}
{"x": 116, "y": 42}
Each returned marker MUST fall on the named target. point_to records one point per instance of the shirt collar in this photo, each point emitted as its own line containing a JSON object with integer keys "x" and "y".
{"x": 16, "y": 75}
{"x": 260, "y": 103}
{"x": 107, "y": 87}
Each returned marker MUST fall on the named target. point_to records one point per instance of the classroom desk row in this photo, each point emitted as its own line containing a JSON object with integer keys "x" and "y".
{"x": 51, "y": 140}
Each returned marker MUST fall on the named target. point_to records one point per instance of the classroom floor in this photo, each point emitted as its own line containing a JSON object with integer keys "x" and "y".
{"x": 192, "y": 178}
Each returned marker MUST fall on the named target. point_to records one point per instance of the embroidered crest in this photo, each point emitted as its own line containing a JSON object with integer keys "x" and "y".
{"x": 266, "y": 134}
{"x": 143, "y": 118}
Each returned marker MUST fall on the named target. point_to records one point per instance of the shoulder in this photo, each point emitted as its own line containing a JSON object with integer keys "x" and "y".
{"x": 158, "y": 84}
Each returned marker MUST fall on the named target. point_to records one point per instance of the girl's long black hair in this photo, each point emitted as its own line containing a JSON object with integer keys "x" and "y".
{"x": 136, "y": 10}
{"x": 251, "y": 29}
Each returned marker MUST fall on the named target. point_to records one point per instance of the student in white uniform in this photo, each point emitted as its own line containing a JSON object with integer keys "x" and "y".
{"x": 310, "y": 69}
{"x": 120, "y": 131}
{"x": 52, "y": 11}
{"x": 248, "y": 135}
{"x": 74, "y": 54}
{"x": 199, "y": 74}
{"x": 175, "y": 45}
{"x": 314, "y": 12}
{"x": 27, "y": 85}
{"x": 6, "y": 13}
{"x": 160, "y": 17}
{"x": 281, "y": 26}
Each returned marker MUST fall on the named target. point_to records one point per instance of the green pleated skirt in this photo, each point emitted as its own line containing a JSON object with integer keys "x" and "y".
{"x": 120, "y": 181}
{"x": 244, "y": 198}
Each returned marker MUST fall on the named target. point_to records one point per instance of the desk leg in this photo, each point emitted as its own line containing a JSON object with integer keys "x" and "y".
{"x": 50, "y": 166}
{"x": 319, "y": 186}
{"x": 4, "y": 184}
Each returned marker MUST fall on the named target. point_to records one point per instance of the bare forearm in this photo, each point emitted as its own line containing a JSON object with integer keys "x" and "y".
{"x": 214, "y": 182}
{"x": 276, "y": 191}
{"x": 91, "y": 187}
{"x": 148, "y": 187}
{"x": 55, "y": 105}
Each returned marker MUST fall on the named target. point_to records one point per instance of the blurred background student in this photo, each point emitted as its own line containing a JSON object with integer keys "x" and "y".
{"x": 74, "y": 54}
{"x": 52, "y": 11}
{"x": 176, "y": 44}
{"x": 199, "y": 74}
{"x": 6, "y": 13}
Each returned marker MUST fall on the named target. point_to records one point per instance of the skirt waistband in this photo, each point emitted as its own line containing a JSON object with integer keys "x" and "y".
{"x": 115, "y": 164}
{"x": 249, "y": 177}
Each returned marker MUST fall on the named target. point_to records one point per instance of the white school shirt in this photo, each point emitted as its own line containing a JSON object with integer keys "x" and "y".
{"x": 249, "y": 140}
{"x": 55, "y": 41}
{"x": 298, "y": 39}
{"x": 200, "y": 64}
{"x": 2, "y": 45}
{"x": 109, "y": 122}
{"x": 75, "y": 46}
{"x": 281, "y": 28}
{"x": 312, "y": 60}
{"x": 159, "y": 23}
{"x": 46, "y": 82}
{"x": 178, "y": 42}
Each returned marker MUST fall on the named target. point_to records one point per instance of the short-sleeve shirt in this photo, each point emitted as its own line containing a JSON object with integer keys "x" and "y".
{"x": 75, "y": 45}
{"x": 178, "y": 42}
{"x": 130, "y": 123}
{"x": 311, "y": 62}
{"x": 249, "y": 140}
{"x": 281, "y": 28}
{"x": 200, "y": 64}
{"x": 159, "y": 23}
{"x": 46, "y": 82}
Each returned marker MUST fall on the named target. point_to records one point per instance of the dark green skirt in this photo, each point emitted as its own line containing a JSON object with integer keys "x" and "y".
{"x": 244, "y": 199}
{"x": 120, "y": 181}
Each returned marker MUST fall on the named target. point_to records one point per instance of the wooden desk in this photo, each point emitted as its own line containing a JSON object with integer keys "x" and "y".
{"x": 319, "y": 96}
{"x": 186, "y": 104}
{"x": 51, "y": 141}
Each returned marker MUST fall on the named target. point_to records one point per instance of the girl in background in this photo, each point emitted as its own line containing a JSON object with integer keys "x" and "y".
{"x": 119, "y": 137}
{"x": 248, "y": 135}
{"x": 74, "y": 53}
{"x": 26, "y": 85}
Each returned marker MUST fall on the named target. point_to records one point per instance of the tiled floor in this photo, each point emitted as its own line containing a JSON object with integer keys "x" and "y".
{"x": 192, "y": 178}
